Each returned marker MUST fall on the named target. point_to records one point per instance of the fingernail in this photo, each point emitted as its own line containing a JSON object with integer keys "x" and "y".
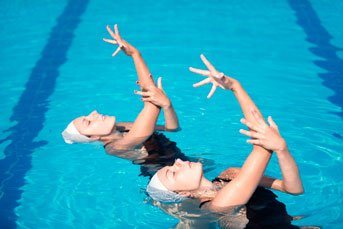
{"x": 137, "y": 82}
{"x": 150, "y": 76}
{"x": 135, "y": 91}
{"x": 141, "y": 98}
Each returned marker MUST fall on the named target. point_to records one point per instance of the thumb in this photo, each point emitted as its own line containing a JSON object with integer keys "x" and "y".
{"x": 159, "y": 83}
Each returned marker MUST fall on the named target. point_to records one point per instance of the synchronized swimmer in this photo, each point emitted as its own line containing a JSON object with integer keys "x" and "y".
{"x": 175, "y": 179}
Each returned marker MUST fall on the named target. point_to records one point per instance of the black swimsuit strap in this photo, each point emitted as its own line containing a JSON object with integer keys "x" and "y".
{"x": 221, "y": 179}
{"x": 202, "y": 203}
{"x": 217, "y": 179}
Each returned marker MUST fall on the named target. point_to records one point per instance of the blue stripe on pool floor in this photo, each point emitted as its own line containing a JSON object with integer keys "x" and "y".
{"x": 29, "y": 113}
{"x": 318, "y": 35}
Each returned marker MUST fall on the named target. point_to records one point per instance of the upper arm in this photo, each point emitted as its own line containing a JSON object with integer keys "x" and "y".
{"x": 241, "y": 188}
{"x": 266, "y": 181}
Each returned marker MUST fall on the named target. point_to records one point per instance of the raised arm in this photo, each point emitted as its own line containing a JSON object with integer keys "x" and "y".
{"x": 158, "y": 97}
{"x": 269, "y": 137}
{"x": 241, "y": 188}
{"x": 144, "y": 124}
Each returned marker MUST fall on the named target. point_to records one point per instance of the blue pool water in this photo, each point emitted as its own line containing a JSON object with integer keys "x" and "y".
{"x": 55, "y": 66}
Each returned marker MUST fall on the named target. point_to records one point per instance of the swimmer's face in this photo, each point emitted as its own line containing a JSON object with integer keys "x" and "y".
{"x": 182, "y": 176}
{"x": 95, "y": 124}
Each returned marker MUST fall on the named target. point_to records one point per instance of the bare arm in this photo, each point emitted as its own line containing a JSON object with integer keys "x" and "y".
{"x": 157, "y": 96}
{"x": 291, "y": 181}
{"x": 269, "y": 137}
{"x": 171, "y": 120}
{"x": 266, "y": 181}
{"x": 145, "y": 122}
{"x": 241, "y": 188}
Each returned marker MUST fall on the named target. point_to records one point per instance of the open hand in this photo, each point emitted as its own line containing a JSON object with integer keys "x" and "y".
{"x": 123, "y": 45}
{"x": 155, "y": 95}
{"x": 218, "y": 79}
{"x": 263, "y": 135}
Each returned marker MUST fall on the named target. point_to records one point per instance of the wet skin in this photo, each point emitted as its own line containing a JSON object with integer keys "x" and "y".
{"x": 95, "y": 124}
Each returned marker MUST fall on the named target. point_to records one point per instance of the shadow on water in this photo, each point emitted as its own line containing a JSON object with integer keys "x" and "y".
{"x": 320, "y": 37}
{"x": 29, "y": 113}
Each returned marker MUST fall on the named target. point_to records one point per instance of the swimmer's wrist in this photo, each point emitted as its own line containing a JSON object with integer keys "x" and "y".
{"x": 283, "y": 148}
{"x": 235, "y": 86}
{"x": 136, "y": 54}
{"x": 167, "y": 105}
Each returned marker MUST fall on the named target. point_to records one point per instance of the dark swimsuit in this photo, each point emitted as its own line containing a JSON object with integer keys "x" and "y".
{"x": 263, "y": 210}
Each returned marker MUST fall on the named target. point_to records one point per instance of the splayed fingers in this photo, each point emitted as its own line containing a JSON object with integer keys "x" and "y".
{"x": 208, "y": 64}
{"x": 200, "y": 71}
{"x": 117, "y": 39}
{"x": 218, "y": 79}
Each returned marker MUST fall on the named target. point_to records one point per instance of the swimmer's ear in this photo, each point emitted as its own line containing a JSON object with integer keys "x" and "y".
{"x": 185, "y": 193}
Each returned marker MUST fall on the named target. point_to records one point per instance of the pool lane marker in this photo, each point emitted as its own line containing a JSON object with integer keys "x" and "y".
{"x": 29, "y": 113}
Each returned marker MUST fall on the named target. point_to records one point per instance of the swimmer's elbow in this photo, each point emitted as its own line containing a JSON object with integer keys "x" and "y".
{"x": 164, "y": 128}
{"x": 174, "y": 130}
{"x": 300, "y": 192}
{"x": 296, "y": 192}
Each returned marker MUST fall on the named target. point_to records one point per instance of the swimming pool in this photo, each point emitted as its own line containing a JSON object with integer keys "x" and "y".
{"x": 55, "y": 66}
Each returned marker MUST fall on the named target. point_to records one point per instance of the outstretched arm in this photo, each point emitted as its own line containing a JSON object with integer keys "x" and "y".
{"x": 144, "y": 124}
{"x": 240, "y": 189}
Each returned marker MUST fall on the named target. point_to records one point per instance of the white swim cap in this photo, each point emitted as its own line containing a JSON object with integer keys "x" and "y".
{"x": 72, "y": 135}
{"x": 158, "y": 192}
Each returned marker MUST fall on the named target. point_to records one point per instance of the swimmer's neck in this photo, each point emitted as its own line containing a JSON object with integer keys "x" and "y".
{"x": 206, "y": 190}
{"x": 112, "y": 137}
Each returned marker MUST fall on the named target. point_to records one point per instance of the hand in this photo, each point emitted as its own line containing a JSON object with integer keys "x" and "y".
{"x": 218, "y": 79}
{"x": 155, "y": 95}
{"x": 123, "y": 45}
{"x": 263, "y": 135}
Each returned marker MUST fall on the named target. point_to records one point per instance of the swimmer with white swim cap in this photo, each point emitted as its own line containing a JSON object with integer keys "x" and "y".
{"x": 184, "y": 179}
{"x": 234, "y": 186}
{"x": 120, "y": 137}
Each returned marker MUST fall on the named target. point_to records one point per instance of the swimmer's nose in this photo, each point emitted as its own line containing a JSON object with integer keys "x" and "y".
{"x": 94, "y": 114}
{"x": 178, "y": 162}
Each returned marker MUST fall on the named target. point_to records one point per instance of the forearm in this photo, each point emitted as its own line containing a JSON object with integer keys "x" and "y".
{"x": 266, "y": 181}
{"x": 144, "y": 124}
{"x": 245, "y": 102}
{"x": 246, "y": 105}
{"x": 143, "y": 71}
{"x": 170, "y": 117}
{"x": 240, "y": 189}
{"x": 291, "y": 181}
